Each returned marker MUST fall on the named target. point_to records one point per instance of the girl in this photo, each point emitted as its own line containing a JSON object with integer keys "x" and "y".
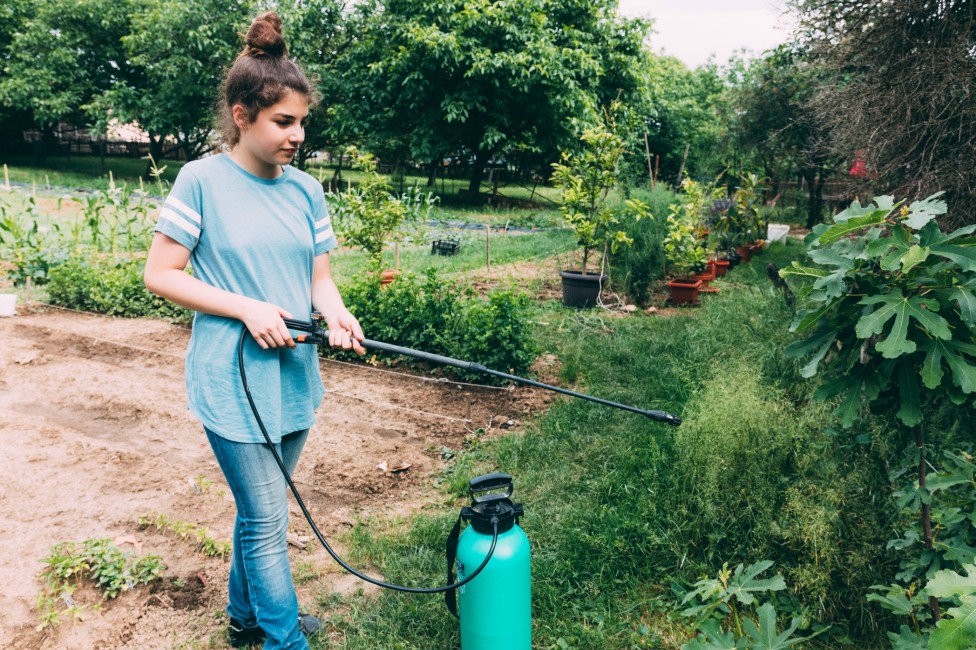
{"x": 258, "y": 235}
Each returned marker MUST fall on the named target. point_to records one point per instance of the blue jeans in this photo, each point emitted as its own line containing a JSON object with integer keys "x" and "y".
{"x": 260, "y": 588}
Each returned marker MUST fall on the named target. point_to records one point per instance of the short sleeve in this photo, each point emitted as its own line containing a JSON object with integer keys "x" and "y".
{"x": 179, "y": 217}
{"x": 325, "y": 239}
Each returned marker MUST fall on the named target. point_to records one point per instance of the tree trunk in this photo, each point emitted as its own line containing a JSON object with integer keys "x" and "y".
{"x": 815, "y": 196}
{"x": 432, "y": 174}
{"x": 478, "y": 172}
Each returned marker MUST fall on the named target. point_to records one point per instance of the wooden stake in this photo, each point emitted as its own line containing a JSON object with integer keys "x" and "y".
{"x": 488, "y": 247}
{"x": 650, "y": 170}
{"x": 683, "y": 159}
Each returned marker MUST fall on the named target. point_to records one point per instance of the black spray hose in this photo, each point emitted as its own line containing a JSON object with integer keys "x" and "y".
{"x": 319, "y": 335}
{"x": 308, "y": 515}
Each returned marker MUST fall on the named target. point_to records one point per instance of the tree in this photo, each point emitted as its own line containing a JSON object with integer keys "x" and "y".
{"x": 901, "y": 87}
{"x": 888, "y": 308}
{"x": 775, "y": 123}
{"x": 483, "y": 78}
{"x": 173, "y": 88}
{"x": 682, "y": 124}
{"x": 65, "y": 55}
{"x": 320, "y": 35}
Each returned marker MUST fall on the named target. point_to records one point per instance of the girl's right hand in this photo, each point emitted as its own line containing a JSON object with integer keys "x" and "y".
{"x": 264, "y": 321}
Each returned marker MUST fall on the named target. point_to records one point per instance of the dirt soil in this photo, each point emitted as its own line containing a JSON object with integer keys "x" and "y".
{"x": 95, "y": 433}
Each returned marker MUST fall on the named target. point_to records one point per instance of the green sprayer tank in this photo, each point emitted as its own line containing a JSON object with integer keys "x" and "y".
{"x": 496, "y": 606}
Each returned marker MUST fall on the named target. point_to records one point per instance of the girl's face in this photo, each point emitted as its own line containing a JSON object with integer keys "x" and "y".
{"x": 274, "y": 136}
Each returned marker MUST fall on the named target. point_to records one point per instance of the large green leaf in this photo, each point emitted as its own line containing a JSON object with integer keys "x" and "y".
{"x": 915, "y": 256}
{"x": 923, "y": 211}
{"x": 963, "y": 255}
{"x": 957, "y": 631}
{"x": 957, "y": 357}
{"x": 841, "y": 230}
{"x": 743, "y": 583}
{"x": 906, "y": 639}
{"x": 806, "y": 319}
{"x": 764, "y": 637}
{"x": 798, "y": 269}
{"x": 714, "y": 639}
{"x": 949, "y": 584}
{"x": 903, "y": 310}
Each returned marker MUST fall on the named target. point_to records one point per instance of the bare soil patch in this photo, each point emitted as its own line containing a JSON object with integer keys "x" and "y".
{"x": 95, "y": 432}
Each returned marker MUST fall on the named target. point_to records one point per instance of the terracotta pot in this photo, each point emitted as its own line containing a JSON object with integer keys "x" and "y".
{"x": 721, "y": 267}
{"x": 388, "y": 276}
{"x": 684, "y": 291}
{"x": 745, "y": 252}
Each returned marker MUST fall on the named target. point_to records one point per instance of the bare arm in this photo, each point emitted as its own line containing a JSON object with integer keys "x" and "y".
{"x": 165, "y": 277}
{"x": 344, "y": 329}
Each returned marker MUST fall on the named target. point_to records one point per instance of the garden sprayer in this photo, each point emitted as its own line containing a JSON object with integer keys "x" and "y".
{"x": 494, "y": 610}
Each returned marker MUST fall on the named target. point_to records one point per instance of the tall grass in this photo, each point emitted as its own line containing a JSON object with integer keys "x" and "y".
{"x": 619, "y": 508}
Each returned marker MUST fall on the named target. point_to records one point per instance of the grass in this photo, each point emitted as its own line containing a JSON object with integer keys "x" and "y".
{"x": 506, "y": 248}
{"x": 82, "y": 172}
{"x": 621, "y": 510}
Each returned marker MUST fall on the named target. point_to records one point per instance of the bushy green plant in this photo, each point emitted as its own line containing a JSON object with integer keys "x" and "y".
{"x": 110, "y": 286}
{"x": 728, "y": 613}
{"x": 369, "y": 215}
{"x": 635, "y": 268}
{"x": 586, "y": 179}
{"x": 685, "y": 245}
{"x": 891, "y": 303}
{"x": 438, "y": 316}
{"x": 98, "y": 560}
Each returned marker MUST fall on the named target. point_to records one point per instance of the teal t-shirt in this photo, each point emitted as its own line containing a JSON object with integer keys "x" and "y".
{"x": 255, "y": 237}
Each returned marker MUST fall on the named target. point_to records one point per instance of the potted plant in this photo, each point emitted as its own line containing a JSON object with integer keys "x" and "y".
{"x": 686, "y": 257}
{"x": 749, "y": 222}
{"x": 371, "y": 216}
{"x": 586, "y": 179}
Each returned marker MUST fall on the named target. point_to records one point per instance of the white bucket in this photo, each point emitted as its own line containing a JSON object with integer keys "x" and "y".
{"x": 777, "y": 232}
{"x": 8, "y": 301}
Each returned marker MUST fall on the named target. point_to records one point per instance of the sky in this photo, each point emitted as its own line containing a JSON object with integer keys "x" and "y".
{"x": 691, "y": 30}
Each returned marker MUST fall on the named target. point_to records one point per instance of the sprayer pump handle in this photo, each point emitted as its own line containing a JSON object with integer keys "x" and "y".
{"x": 488, "y": 482}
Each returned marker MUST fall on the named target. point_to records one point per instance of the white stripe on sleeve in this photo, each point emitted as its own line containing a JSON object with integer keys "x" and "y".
{"x": 187, "y": 211}
{"x": 179, "y": 221}
{"x": 324, "y": 235}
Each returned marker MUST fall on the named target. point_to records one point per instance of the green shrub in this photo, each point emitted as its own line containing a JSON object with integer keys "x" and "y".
{"x": 634, "y": 269}
{"x": 111, "y": 286}
{"x": 437, "y": 316}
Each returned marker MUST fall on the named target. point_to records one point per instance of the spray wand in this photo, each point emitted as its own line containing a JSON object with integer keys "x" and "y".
{"x": 317, "y": 334}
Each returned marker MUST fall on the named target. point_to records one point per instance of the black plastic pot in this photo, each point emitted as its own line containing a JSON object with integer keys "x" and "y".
{"x": 581, "y": 289}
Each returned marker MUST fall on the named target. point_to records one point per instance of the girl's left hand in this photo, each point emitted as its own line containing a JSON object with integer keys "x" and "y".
{"x": 345, "y": 332}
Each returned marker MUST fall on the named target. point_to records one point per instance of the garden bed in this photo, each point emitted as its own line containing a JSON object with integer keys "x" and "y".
{"x": 96, "y": 433}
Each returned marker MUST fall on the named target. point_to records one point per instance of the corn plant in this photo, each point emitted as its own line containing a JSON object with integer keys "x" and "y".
{"x": 28, "y": 243}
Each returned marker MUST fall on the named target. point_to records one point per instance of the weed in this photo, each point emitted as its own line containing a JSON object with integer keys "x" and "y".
{"x": 186, "y": 530}
{"x": 98, "y": 560}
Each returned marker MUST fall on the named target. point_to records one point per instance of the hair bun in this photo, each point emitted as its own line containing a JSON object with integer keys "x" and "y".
{"x": 264, "y": 37}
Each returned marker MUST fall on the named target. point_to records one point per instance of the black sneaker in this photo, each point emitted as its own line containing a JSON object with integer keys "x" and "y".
{"x": 241, "y": 637}
{"x": 309, "y": 625}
